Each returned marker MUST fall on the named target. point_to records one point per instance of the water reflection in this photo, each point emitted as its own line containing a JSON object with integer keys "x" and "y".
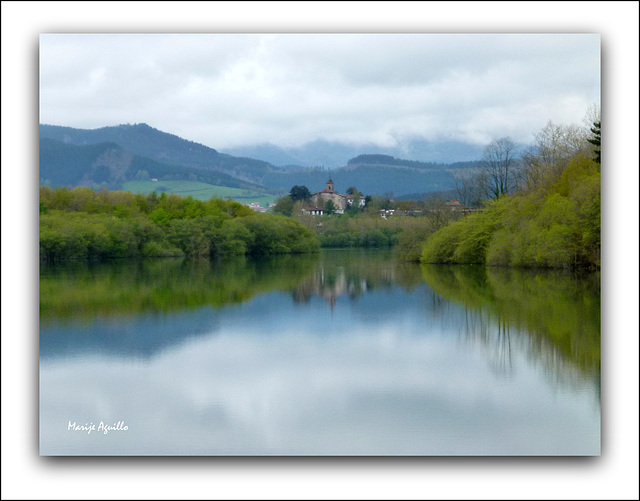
{"x": 553, "y": 316}
{"x": 125, "y": 288}
{"x": 341, "y": 353}
{"x": 347, "y": 273}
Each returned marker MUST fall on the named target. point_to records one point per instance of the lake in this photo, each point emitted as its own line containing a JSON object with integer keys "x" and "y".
{"x": 347, "y": 352}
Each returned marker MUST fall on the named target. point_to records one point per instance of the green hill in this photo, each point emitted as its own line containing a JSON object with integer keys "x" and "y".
{"x": 159, "y": 146}
{"x": 109, "y": 165}
{"x": 199, "y": 191}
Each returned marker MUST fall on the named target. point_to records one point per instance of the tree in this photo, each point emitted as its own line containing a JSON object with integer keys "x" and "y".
{"x": 329, "y": 208}
{"x": 437, "y": 212}
{"x": 498, "y": 165}
{"x": 554, "y": 147}
{"x": 595, "y": 140}
{"x": 354, "y": 207}
{"x": 284, "y": 206}
{"x": 299, "y": 193}
{"x": 379, "y": 202}
{"x": 471, "y": 188}
{"x": 350, "y": 190}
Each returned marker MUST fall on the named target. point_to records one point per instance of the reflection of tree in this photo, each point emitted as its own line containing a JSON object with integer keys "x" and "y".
{"x": 552, "y": 317}
{"x": 503, "y": 348}
{"x": 130, "y": 287}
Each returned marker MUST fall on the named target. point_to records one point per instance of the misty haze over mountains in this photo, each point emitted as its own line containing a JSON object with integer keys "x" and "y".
{"x": 331, "y": 154}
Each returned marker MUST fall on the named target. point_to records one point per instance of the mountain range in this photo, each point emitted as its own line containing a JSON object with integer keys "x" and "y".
{"x": 110, "y": 156}
{"x": 332, "y": 155}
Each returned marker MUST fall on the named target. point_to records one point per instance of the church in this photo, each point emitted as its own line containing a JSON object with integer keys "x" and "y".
{"x": 318, "y": 201}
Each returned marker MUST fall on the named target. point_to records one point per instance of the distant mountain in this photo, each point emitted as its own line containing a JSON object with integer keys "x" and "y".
{"x": 110, "y": 156}
{"x": 109, "y": 165}
{"x": 163, "y": 147}
{"x": 333, "y": 155}
{"x": 390, "y": 161}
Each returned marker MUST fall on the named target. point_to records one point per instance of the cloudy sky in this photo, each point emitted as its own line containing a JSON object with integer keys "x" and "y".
{"x": 231, "y": 90}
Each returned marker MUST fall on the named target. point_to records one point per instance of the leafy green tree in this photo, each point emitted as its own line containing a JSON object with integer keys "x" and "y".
{"x": 354, "y": 207}
{"x": 379, "y": 202}
{"x": 329, "y": 208}
{"x": 284, "y": 206}
{"x": 299, "y": 193}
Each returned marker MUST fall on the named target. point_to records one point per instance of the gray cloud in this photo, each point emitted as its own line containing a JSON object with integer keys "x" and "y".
{"x": 233, "y": 90}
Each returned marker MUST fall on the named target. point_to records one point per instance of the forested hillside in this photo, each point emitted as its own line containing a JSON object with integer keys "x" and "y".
{"x": 392, "y": 161}
{"x": 159, "y": 146}
{"x": 108, "y": 165}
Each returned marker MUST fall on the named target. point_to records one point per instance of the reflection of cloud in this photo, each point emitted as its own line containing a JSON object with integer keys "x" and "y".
{"x": 387, "y": 389}
{"x": 141, "y": 336}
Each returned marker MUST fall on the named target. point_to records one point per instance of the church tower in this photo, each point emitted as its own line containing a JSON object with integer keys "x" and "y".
{"x": 329, "y": 185}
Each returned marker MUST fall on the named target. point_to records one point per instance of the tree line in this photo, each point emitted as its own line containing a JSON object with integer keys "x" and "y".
{"x": 81, "y": 223}
{"x": 540, "y": 209}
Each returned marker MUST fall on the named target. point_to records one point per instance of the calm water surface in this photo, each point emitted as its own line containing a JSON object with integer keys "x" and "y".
{"x": 342, "y": 353}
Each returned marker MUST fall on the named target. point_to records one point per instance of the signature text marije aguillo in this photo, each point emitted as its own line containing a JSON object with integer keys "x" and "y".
{"x": 104, "y": 428}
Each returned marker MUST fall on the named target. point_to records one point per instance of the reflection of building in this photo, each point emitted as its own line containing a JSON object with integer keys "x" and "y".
{"x": 329, "y": 285}
{"x": 317, "y": 202}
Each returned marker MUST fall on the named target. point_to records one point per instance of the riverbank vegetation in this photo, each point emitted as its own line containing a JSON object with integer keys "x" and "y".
{"x": 81, "y": 223}
{"x": 549, "y": 218}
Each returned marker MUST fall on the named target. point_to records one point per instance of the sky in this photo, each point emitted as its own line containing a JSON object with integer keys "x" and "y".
{"x": 233, "y": 90}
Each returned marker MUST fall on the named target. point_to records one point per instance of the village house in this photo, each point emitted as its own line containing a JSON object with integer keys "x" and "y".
{"x": 256, "y": 207}
{"x": 317, "y": 202}
{"x": 454, "y": 205}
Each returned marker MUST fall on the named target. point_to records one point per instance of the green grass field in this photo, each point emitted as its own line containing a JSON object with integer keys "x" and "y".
{"x": 199, "y": 191}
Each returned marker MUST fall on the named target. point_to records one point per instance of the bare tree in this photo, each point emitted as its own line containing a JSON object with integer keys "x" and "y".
{"x": 438, "y": 213}
{"x": 553, "y": 149}
{"x": 470, "y": 187}
{"x": 498, "y": 165}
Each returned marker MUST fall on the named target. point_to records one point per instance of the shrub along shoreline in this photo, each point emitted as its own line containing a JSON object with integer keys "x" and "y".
{"x": 80, "y": 223}
{"x": 556, "y": 226}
